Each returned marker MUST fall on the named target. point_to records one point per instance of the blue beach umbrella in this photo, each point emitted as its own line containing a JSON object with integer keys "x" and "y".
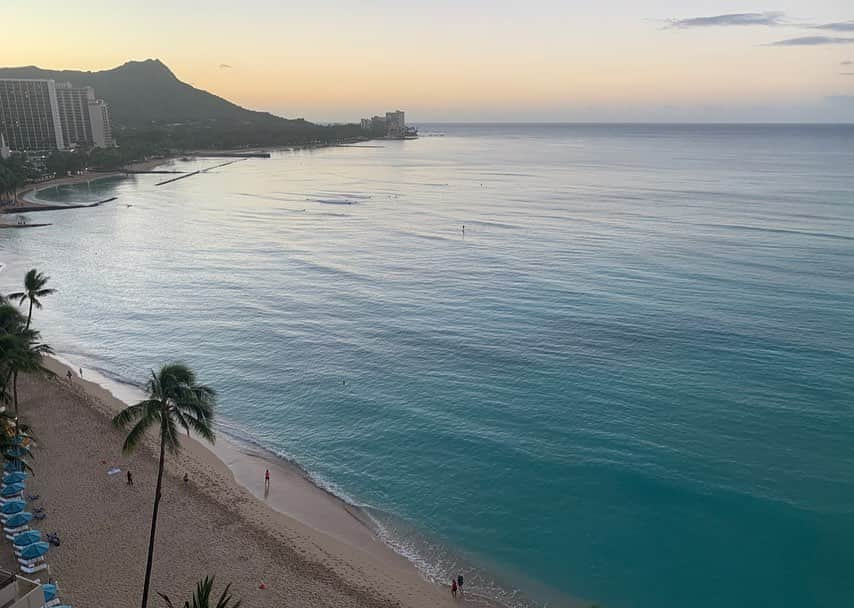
{"x": 27, "y": 538}
{"x": 34, "y": 551}
{"x": 49, "y": 590}
{"x": 16, "y": 477}
{"x": 12, "y": 467}
{"x": 17, "y": 452}
{"x": 12, "y": 507}
{"x": 19, "y": 519}
{"x": 12, "y": 489}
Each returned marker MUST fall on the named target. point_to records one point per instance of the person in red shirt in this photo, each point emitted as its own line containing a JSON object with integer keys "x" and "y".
{"x": 454, "y": 588}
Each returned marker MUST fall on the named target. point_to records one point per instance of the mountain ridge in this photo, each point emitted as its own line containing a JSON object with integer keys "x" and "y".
{"x": 147, "y": 92}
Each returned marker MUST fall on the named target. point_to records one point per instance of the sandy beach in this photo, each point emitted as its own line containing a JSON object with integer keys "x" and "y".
{"x": 208, "y": 526}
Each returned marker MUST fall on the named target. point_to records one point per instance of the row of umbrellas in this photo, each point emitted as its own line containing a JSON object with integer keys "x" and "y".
{"x": 28, "y": 545}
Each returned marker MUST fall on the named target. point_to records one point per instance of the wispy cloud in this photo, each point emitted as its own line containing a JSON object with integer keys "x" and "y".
{"x": 768, "y": 18}
{"x": 839, "y": 26}
{"x": 811, "y": 41}
{"x": 224, "y": 66}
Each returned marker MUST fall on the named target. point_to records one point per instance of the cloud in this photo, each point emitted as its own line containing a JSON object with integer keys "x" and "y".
{"x": 768, "y": 18}
{"x": 846, "y": 73}
{"x": 811, "y": 41}
{"x": 224, "y": 66}
{"x": 839, "y": 26}
{"x": 846, "y": 62}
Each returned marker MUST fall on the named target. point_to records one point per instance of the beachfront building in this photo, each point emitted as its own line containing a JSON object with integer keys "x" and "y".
{"x": 392, "y": 125}
{"x": 29, "y": 115}
{"x": 99, "y": 119}
{"x": 85, "y": 120}
{"x": 5, "y": 150}
{"x": 395, "y": 124}
{"x": 41, "y": 115}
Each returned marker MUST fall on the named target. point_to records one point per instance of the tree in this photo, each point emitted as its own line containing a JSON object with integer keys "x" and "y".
{"x": 202, "y": 596}
{"x": 34, "y": 288}
{"x": 21, "y": 351}
{"x": 174, "y": 400}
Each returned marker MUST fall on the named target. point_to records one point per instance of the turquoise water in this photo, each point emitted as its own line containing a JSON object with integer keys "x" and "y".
{"x": 629, "y": 381}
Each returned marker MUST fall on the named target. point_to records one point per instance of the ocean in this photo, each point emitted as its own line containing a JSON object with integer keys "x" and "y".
{"x": 628, "y": 380}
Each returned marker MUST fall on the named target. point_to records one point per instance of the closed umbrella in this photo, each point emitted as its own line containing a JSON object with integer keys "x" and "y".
{"x": 12, "y": 507}
{"x": 34, "y": 551}
{"x": 49, "y": 590}
{"x": 16, "y": 477}
{"x": 19, "y": 519}
{"x": 27, "y": 538}
{"x": 12, "y": 490}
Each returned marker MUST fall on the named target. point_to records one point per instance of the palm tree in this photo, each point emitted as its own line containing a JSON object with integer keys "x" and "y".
{"x": 174, "y": 400}
{"x": 34, "y": 288}
{"x": 202, "y": 597}
{"x": 20, "y": 351}
{"x": 23, "y": 353}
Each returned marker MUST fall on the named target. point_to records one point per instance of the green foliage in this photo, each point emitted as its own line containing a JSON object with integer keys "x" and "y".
{"x": 21, "y": 349}
{"x": 175, "y": 401}
{"x": 202, "y": 596}
{"x": 34, "y": 290}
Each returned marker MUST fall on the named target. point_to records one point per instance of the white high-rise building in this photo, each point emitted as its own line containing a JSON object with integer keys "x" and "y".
{"x": 41, "y": 115}
{"x": 395, "y": 124}
{"x": 99, "y": 119}
{"x": 29, "y": 115}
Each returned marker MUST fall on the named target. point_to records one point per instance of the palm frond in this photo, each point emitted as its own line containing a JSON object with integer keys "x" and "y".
{"x": 138, "y": 432}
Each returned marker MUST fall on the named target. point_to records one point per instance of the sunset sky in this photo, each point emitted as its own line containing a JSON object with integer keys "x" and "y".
{"x": 542, "y": 60}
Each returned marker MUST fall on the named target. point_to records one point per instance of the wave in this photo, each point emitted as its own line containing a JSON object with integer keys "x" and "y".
{"x": 828, "y": 235}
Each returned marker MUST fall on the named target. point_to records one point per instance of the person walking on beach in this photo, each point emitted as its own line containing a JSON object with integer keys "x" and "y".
{"x": 460, "y": 583}
{"x": 454, "y": 588}
{"x": 130, "y": 479}
{"x": 81, "y": 372}
{"x": 68, "y": 375}
{"x": 267, "y": 479}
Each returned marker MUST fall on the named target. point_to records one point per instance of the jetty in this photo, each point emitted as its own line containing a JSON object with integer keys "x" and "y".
{"x": 35, "y": 208}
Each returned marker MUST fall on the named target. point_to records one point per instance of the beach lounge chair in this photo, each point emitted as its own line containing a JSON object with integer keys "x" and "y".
{"x": 15, "y": 477}
{"x": 33, "y": 554}
{"x": 20, "y": 522}
{"x": 34, "y": 569}
{"x": 50, "y": 595}
{"x": 11, "y": 492}
{"x": 24, "y": 539}
{"x": 11, "y": 508}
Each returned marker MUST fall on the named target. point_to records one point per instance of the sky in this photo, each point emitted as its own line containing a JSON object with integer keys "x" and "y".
{"x": 470, "y": 60}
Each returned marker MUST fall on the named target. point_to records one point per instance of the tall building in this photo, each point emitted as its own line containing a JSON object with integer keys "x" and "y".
{"x": 40, "y": 115}
{"x": 395, "y": 124}
{"x": 99, "y": 119}
{"x": 29, "y": 115}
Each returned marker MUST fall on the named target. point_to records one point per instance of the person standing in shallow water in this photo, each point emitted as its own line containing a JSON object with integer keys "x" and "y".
{"x": 454, "y": 588}
{"x": 460, "y": 583}
{"x": 267, "y": 479}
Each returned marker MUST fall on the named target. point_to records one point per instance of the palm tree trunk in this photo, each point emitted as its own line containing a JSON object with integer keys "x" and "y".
{"x": 154, "y": 518}
{"x": 30, "y": 314}
{"x": 15, "y": 391}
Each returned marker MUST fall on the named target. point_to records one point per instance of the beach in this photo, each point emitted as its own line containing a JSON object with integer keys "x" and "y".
{"x": 207, "y": 526}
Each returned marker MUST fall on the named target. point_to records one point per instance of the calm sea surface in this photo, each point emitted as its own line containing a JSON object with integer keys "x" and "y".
{"x": 630, "y": 380}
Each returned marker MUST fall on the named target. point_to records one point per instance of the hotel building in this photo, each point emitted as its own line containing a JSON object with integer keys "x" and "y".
{"x": 41, "y": 115}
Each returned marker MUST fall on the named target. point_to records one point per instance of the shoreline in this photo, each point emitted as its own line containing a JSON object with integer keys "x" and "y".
{"x": 294, "y": 500}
